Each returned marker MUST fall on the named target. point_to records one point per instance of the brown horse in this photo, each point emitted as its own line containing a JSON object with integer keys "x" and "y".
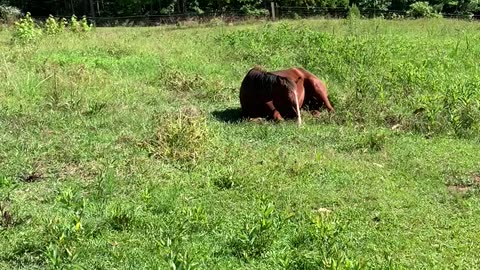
{"x": 315, "y": 93}
{"x": 264, "y": 94}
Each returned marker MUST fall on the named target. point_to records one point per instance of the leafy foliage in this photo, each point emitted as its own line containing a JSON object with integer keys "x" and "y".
{"x": 354, "y": 12}
{"x": 421, "y": 10}
{"x": 26, "y": 30}
{"x": 9, "y": 14}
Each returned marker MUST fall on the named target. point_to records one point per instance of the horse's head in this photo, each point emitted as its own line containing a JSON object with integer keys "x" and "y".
{"x": 286, "y": 97}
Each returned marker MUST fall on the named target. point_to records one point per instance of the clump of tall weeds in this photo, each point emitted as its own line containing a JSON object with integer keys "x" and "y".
{"x": 26, "y": 30}
{"x": 180, "y": 137}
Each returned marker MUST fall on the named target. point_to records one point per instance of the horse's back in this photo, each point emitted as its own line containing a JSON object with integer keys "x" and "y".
{"x": 291, "y": 73}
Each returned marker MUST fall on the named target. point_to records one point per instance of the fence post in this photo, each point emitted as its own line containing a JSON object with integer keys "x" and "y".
{"x": 272, "y": 5}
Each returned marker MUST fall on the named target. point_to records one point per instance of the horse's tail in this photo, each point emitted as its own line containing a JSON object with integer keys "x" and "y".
{"x": 299, "y": 118}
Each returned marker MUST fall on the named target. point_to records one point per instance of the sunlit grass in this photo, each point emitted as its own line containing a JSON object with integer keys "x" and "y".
{"x": 122, "y": 148}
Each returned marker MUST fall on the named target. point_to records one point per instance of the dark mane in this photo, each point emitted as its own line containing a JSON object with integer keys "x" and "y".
{"x": 267, "y": 79}
{"x": 266, "y": 94}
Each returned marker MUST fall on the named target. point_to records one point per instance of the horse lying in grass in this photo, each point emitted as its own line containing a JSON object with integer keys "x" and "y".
{"x": 280, "y": 94}
{"x": 315, "y": 90}
{"x": 267, "y": 95}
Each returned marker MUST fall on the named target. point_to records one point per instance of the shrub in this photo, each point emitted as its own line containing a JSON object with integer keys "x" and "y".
{"x": 252, "y": 11}
{"x": 354, "y": 12}
{"x": 52, "y": 27}
{"x": 26, "y": 30}
{"x": 74, "y": 24}
{"x": 84, "y": 26}
{"x": 422, "y": 10}
{"x": 9, "y": 14}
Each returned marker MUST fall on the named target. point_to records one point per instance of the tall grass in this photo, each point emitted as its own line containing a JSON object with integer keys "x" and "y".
{"x": 382, "y": 77}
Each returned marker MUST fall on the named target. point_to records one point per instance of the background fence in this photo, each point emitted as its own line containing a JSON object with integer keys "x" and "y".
{"x": 277, "y": 12}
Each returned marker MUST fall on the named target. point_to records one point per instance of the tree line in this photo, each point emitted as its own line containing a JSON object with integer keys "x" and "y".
{"x": 117, "y": 8}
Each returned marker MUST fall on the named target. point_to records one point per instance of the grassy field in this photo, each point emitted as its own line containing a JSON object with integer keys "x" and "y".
{"x": 122, "y": 148}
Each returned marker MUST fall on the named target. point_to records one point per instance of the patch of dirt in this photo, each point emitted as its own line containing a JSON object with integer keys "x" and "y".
{"x": 257, "y": 120}
{"x": 31, "y": 177}
{"x": 6, "y": 217}
{"x": 464, "y": 183}
{"x": 125, "y": 139}
{"x": 85, "y": 171}
{"x": 316, "y": 113}
{"x": 476, "y": 179}
{"x": 459, "y": 188}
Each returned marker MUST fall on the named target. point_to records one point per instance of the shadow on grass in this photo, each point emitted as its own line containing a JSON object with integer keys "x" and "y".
{"x": 230, "y": 115}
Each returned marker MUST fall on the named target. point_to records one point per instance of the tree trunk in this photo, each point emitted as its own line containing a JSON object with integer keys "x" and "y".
{"x": 92, "y": 8}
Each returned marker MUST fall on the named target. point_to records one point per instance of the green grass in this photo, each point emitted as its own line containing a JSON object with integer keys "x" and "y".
{"x": 122, "y": 149}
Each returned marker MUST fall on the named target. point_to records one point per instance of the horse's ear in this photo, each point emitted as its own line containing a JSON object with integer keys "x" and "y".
{"x": 298, "y": 79}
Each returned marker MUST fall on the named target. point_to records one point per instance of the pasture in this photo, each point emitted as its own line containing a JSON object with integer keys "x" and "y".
{"x": 122, "y": 148}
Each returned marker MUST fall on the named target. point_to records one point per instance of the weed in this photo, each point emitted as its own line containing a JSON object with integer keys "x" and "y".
{"x": 104, "y": 186}
{"x": 180, "y": 136}
{"x": 195, "y": 217}
{"x": 74, "y": 25}
{"x": 84, "y": 26}
{"x": 175, "y": 258}
{"x": 224, "y": 182}
{"x": 63, "y": 237}
{"x": 6, "y": 182}
{"x": 121, "y": 216}
{"x": 26, "y": 31}
{"x": 180, "y": 82}
{"x": 52, "y": 27}
{"x": 320, "y": 244}
{"x": 255, "y": 238}
{"x": 72, "y": 200}
{"x": 6, "y": 217}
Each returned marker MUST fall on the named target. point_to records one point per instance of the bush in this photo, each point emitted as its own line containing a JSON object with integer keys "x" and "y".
{"x": 252, "y": 11}
{"x": 354, "y": 12}
{"x": 26, "y": 30}
{"x": 9, "y": 15}
{"x": 52, "y": 27}
{"x": 422, "y": 10}
{"x": 74, "y": 25}
{"x": 84, "y": 26}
